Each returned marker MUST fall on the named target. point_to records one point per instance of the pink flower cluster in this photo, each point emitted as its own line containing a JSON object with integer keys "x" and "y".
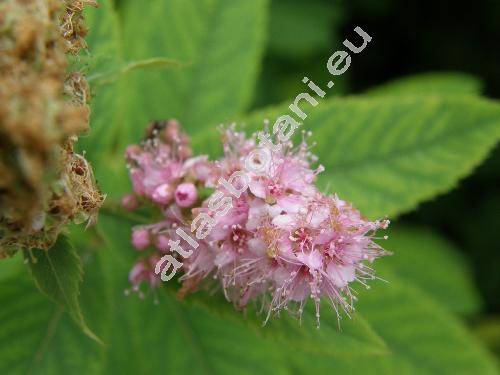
{"x": 279, "y": 241}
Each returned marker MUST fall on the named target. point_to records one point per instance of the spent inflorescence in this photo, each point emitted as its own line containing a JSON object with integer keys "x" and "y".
{"x": 45, "y": 184}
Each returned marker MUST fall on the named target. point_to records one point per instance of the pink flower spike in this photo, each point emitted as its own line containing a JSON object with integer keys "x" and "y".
{"x": 140, "y": 239}
{"x": 186, "y": 195}
{"x": 280, "y": 243}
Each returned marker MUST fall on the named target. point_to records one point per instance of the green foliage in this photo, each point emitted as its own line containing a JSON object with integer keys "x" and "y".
{"x": 11, "y": 266}
{"x": 106, "y": 55}
{"x": 38, "y": 337}
{"x": 424, "y": 259}
{"x": 58, "y": 274}
{"x": 27, "y": 325}
{"x": 422, "y": 337}
{"x": 217, "y": 82}
{"x": 214, "y": 82}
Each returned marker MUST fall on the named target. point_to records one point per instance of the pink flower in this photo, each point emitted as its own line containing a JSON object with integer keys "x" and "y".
{"x": 162, "y": 243}
{"x": 143, "y": 272}
{"x": 157, "y": 165}
{"x": 186, "y": 194}
{"x": 286, "y": 175}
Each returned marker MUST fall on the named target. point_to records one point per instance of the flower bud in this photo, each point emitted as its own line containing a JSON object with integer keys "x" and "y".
{"x": 186, "y": 194}
{"x": 140, "y": 239}
{"x": 162, "y": 244}
{"x": 162, "y": 194}
{"x": 137, "y": 273}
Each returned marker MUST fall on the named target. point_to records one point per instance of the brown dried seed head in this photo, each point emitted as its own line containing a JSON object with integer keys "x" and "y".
{"x": 43, "y": 108}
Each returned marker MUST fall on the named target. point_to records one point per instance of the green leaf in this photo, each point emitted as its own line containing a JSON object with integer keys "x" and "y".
{"x": 422, "y": 337}
{"x": 58, "y": 274}
{"x": 106, "y": 69}
{"x": 30, "y": 331}
{"x": 449, "y": 83}
{"x": 336, "y": 337}
{"x": 38, "y": 337}
{"x": 386, "y": 155}
{"x": 426, "y": 260}
{"x": 105, "y": 55}
{"x": 221, "y": 40}
{"x": 11, "y": 266}
{"x": 103, "y": 39}
{"x": 195, "y": 33}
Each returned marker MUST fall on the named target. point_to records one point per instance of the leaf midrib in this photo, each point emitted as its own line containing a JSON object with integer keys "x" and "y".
{"x": 189, "y": 334}
{"x": 59, "y": 282}
{"x": 52, "y": 326}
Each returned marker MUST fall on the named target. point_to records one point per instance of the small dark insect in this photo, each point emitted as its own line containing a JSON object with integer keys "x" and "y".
{"x": 155, "y": 127}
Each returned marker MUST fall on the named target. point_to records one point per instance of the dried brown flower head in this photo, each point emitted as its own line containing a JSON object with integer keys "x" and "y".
{"x": 43, "y": 183}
